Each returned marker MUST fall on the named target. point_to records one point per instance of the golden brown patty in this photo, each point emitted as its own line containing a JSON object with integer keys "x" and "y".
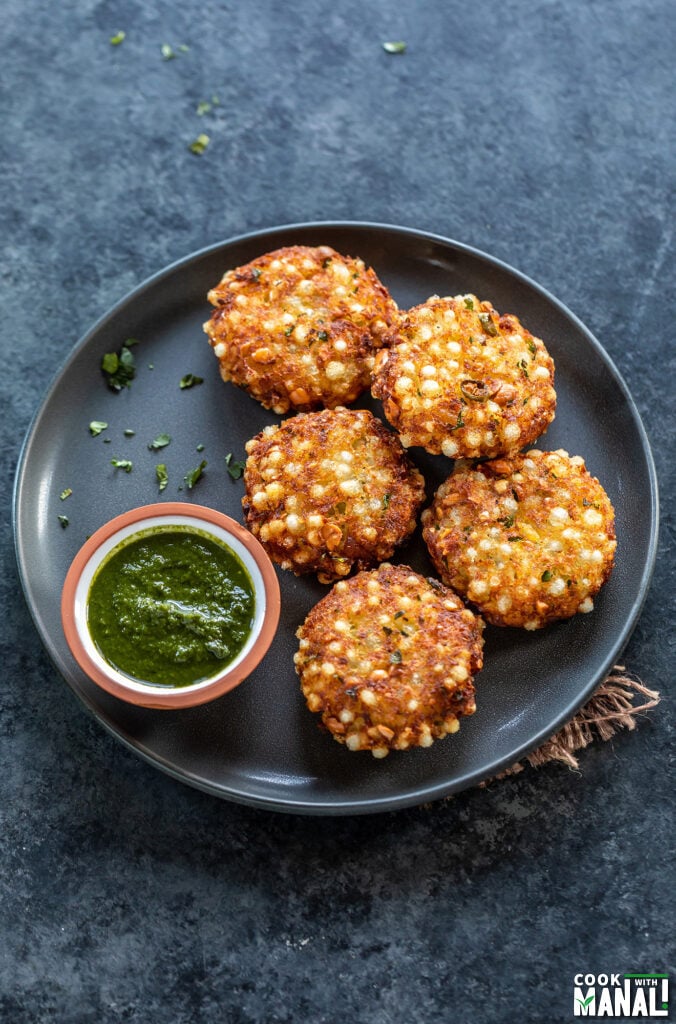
{"x": 388, "y": 657}
{"x": 463, "y": 381}
{"x": 329, "y": 490}
{"x": 528, "y": 539}
{"x": 297, "y": 327}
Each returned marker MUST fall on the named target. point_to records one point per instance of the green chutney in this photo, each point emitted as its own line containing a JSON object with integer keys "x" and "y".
{"x": 171, "y": 607}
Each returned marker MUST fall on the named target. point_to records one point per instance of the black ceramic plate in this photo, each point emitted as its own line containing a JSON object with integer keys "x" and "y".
{"x": 260, "y": 745}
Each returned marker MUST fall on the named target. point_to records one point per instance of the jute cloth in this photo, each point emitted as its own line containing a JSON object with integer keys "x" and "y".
{"x": 617, "y": 703}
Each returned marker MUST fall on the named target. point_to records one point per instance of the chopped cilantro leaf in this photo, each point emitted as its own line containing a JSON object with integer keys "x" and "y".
{"x": 161, "y": 441}
{"x": 387, "y": 498}
{"x": 469, "y": 304}
{"x": 64, "y": 520}
{"x": 193, "y": 476}
{"x": 119, "y": 367}
{"x": 200, "y": 144}
{"x": 235, "y": 469}
{"x": 395, "y": 657}
{"x": 189, "y": 381}
{"x": 96, "y": 426}
{"x": 124, "y": 464}
{"x": 129, "y": 433}
{"x": 162, "y": 475}
{"x": 66, "y": 493}
{"x": 397, "y": 47}
{"x": 118, "y": 38}
{"x": 167, "y": 52}
{"x": 546, "y": 576}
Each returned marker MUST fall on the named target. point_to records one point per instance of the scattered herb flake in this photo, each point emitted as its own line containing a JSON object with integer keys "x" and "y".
{"x": 66, "y": 493}
{"x": 488, "y": 325}
{"x": 256, "y": 273}
{"x": 64, "y": 520}
{"x": 96, "y": 426}
{"x": 532, "y": 348}
{"x": 202, "y": 108}
{"x": 129, "y": 433}
{"x": 459, "y": 423}
{"x": 398, "y": 615}
{"x": 193, "y": 476}
{"x": 183, "y": 48}
{"x": 151, "y": 366}
{"x": 124, "y": 464}
{"x": 546, "y": 576}
{"x": 387, "y": 630}
{"x": 167, "y": 52}
{"x": 199, "y": 448}
{"x": 118, "y": 38}
{"x": 469, "y": 304}
{"x": 189, "y": 381}
{"x": 395, "y": 657}
{"x": 523, "y": 367}
{"x": 507, "y": 521}
{"x": 200, "y": 144}
{"x": 162, "y": 475}
{"x": 235, "y": 469}
{"x": 119, "y": 367}
{"x": 161, "y": 441}
{"x": 397, "y": 47}
{"x": 289, "y": 330}
{"x": 322, "y": 335}
{"x": 386, "y": 500}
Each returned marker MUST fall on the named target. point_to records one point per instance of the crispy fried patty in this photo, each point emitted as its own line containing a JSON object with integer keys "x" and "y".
{"x": 329, "y": 490}
{"x": 388, "y": 658}
{"x": 297, "y": 328}
{"x": 528, "y": 540}
{"x": 461, "y": 380}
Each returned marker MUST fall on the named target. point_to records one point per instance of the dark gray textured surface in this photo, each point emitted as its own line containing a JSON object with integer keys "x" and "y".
{"x": 537, "y": 132}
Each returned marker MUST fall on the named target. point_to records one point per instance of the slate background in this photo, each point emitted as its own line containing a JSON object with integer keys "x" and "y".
{"x": 538, "y": 132}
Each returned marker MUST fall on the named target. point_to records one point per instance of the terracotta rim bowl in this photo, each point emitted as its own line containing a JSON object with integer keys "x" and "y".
{"x": 124, "y": 527}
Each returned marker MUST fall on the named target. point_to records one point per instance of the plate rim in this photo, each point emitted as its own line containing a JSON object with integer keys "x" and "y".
{"x": 421, "y": 794}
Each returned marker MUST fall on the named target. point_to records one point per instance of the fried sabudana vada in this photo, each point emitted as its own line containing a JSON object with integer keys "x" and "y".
{"x": 388, "y": 658}
{"x": 459, "y": 379}
{"x": 330, "y": 490}
{"x": 528, "y": 540}
{"x": 297, "y": 328}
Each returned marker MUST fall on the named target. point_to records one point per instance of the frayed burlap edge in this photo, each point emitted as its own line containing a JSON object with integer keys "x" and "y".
{"x": 610, "y": 709}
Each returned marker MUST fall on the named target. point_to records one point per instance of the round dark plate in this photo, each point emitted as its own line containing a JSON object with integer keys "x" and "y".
{"x": 260, "y": 745}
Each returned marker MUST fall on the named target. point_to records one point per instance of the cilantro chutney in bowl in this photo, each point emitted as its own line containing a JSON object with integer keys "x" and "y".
{"x": 170, "y": 605}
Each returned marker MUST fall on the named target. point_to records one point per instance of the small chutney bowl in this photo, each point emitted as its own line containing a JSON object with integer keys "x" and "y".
{"x": 126, "y": 528}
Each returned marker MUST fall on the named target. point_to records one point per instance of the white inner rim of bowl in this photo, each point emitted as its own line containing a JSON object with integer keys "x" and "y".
{"x": 166, "y": 523}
